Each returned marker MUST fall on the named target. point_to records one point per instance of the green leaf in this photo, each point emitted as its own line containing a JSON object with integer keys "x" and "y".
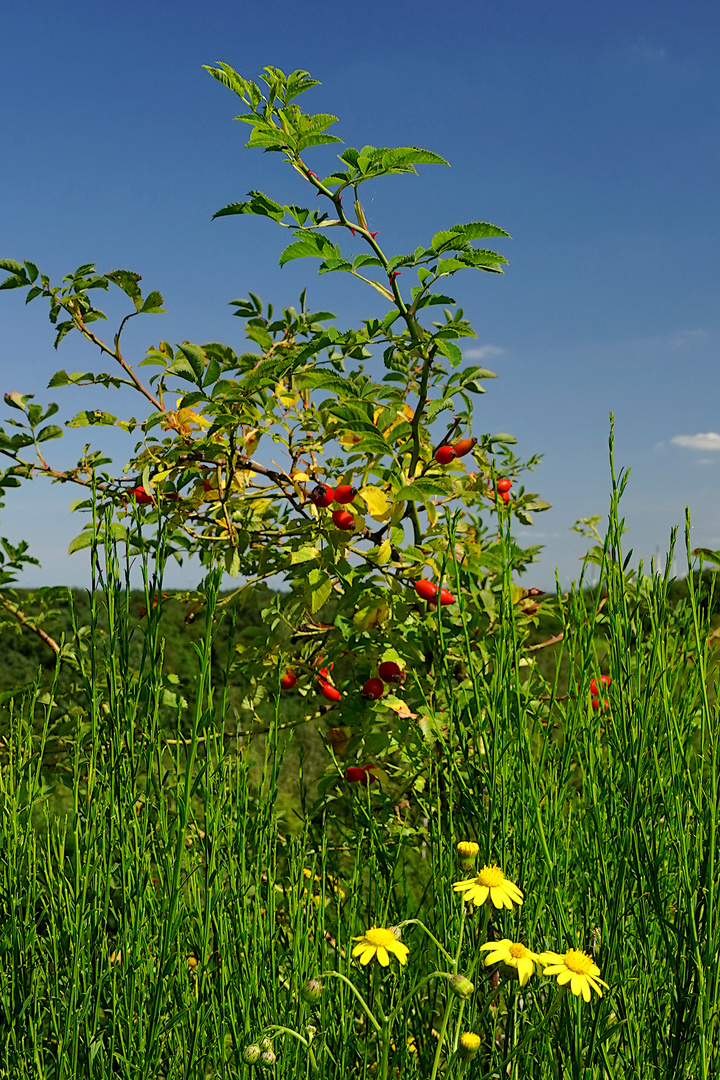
{"x": 51, "y": 431}
{"x": 195, "y": 358}
{"x": 153, "y": 304}
{"x": 421, "y": 490}
{"x": 259, "y": 204}
{"x": 450, "y": 350}
{"x": 90, "y": 417}
{"x": 11, "y": 266}
{"x": 479, "y": 230}
{"x": 311, "y": 245}
{"x": 84, "y": 540}
{"x": 127, "y": 280}
{"x": 318, "y": 588}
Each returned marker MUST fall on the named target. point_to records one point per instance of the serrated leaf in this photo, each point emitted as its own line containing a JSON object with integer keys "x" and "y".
{"x": 450, "y": 350}
{"x": 153, "y": 303}
{"x": 91, "y": 417}
{"x": 12, "y": 266}
{"x": 318, "y": 588}
{"x": 84, "y": 540}
{"x": 52, "y": 431}
{"x": 195, "y": 358}
{"x": 420, "y": 491}
{"x": 479, "y": 230}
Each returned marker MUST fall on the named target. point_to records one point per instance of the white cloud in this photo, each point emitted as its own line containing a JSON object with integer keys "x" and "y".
{"x": 646, "y": 51}
{"x": 704, "y": 440}
{"x": 705, "y": 461}
{"x": 483, "y": 352}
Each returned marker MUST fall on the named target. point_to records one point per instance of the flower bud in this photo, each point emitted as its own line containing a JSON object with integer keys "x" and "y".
{"x": 267, "y": 1059}
{"x": 469, "y": 1045}
{"x": 467, "y": 850}
{"x": 251, "y": 1053}
{"x": 312, "y": 991}
{"x": 266, "y": 1044}
{"x": 461, "y": 987}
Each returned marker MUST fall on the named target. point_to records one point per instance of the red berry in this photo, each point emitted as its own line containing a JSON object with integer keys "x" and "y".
{"x": 504, "y": 485}
{"x": 446, "y": 597}
{"x": 322, "y": 495}
{"x": 444, "y": 455}
{"x": 425, "y": 589}
{"x": 390, "y": 672}
{"x": 343, "y": 520}
{"x": 206, "y": 485}
{"x": 605, "y": 680}
{"x": 330, "y": 693}
{"x": 463, "y": 447}
{"x": 596, "y": 703}
{"x": 141, "y": 495}
{"x": 288, "y": 680}
{"x": 373, "y": 689}
{"x": 345, "y": 493}
{"x": 357, "y": 775}
{"x": 505, "y": 496}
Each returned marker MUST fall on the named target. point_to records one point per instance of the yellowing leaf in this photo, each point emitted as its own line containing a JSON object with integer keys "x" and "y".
{"x": 372, "y": 616}
{"x": 250, "y": 441}
{"x": 384, "y": 552}
{"x": 347, "y": 439}
{"x": 376, "y": 501}
{"x": 286, "y": 397}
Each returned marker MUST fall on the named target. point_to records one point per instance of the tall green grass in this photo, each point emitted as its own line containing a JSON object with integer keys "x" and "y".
{"x": 165, "y": 921}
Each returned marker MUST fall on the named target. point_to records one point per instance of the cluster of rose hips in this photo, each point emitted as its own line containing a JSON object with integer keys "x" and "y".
{"x": 446, "y": 453}
{"x": 322, "y": 495}
{"x": 428, "y": 590}
{"x": 359, "y": 774}
{"x": 605, "y": 681}
{"x": 388, "y": 672}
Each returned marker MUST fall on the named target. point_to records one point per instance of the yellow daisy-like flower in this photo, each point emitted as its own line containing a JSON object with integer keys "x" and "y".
{"x": 514, "y": 955}
{"x": 574, "y": 967}
{"x": 490, "y": 882}
{"x": 467, "y": 849}
{"x": 377, "y": 943}
{"x": 469, "y": 1045}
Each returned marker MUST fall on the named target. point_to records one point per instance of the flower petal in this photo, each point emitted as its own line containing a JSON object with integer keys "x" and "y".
{"x": 576, "y": 983}
{"x": 367, "y": 954}
{"x": 564, "y": 976}
{"x": 525, "y": 969}
{"x": 500, "y": 955}
{"x": 382, "y": 956}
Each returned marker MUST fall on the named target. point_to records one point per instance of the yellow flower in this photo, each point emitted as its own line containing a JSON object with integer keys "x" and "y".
{"x": 467, "y": 849}
{"x": 574, "y": 967}
{"x": 514, "y": 955}
{"x": 469, "y": 1045}
{"x": 490, "y": 882}
{"x": 376, "y": 943}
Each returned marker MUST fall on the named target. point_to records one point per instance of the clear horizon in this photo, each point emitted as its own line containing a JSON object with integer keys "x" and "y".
{"x": 589, "y": 135}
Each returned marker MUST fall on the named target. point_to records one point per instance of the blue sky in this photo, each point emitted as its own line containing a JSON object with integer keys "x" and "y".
{"x": 588, "y": 131}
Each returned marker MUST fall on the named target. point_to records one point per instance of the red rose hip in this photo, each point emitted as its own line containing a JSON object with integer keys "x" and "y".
{"x": 446, "y": 597}
{"x": 322, "y": 495}
{"x": 444, "y": 455}
{"x": 425, "y": 589}
{"x": 390, "y": 672}
{"x": 141, "y": 495}
{"x": 288, "y": 680}
{"x": 330, "y": 693}
{"x": 343, "y": 520}
{"x": 504, "y": 485}
{"x": 605, "y": 680}
{"x": 373, "y": 689}
{"x": 345, "y": 494}
{"x": 464, "y": 446}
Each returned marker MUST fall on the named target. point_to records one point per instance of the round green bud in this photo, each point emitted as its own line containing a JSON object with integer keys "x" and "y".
{"x": 461, "y": 987}
{"x": 312, "y": 991}
{"x": 251, "y": 1053}
{"x": 267, "y": 1059}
